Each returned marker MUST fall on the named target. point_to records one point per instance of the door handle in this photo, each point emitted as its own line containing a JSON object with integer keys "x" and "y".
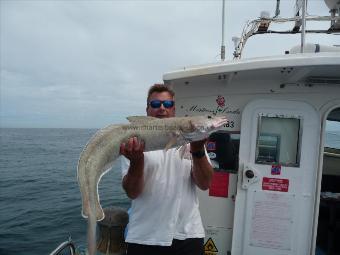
{"x": 250, "y": 176}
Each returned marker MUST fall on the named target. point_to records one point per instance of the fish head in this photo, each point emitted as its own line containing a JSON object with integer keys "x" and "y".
{"x": 200, "y": 127}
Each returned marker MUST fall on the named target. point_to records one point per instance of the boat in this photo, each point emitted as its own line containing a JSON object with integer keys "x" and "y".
{"x": 275, "y": 187}
{"x": 279, "y": 193}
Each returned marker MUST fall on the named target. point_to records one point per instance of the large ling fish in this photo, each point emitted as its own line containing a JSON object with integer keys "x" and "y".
{"x": 103, "y": 148}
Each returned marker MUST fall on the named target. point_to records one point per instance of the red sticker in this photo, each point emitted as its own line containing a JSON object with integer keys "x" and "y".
{"x": 276, "y": 169}
{"x": 211, "y": 146}
{"x": 219, "y": 185}
{"x": 275, "y": 184}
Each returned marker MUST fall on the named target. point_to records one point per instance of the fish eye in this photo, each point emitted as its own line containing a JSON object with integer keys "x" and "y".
{"x": 209, "y": 117}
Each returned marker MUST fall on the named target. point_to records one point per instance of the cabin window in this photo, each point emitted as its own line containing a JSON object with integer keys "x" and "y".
{"x": 333, "y": 133}
{"x": 278, "y": 141}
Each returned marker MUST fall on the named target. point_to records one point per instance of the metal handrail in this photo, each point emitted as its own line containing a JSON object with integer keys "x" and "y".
{"x": 251, "y": 29}
{"x": 64, "y": 245}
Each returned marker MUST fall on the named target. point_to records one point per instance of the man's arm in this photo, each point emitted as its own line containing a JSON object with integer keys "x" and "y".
{"x": 133, "y": 181}
{"x": 202, "y": 170}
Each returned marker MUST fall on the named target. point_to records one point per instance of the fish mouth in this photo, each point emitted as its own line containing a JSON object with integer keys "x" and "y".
{"x": 203, "y": 133}
{"x": 220, "y": 121}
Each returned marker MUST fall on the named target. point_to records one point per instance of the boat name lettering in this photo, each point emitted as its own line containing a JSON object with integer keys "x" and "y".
{"x": 214, "y": 111}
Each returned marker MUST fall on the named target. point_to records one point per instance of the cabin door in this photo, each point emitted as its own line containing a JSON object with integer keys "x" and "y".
{"x": 279, "y": 151}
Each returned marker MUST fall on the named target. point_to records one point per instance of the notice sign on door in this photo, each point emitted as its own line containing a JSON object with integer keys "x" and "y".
{"x": 272, "y": 221}
{"x": 275, "y": 184}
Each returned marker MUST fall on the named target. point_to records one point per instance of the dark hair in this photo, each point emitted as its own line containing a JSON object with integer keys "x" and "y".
{"x": 159, "y": 88}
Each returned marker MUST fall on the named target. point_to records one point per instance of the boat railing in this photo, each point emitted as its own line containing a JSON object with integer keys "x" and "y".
{"x": 261, "y": 26}
{"x": 64, "y": 248}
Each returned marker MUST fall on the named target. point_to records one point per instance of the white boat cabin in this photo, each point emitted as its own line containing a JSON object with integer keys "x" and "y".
{"x": 276, "y": 187}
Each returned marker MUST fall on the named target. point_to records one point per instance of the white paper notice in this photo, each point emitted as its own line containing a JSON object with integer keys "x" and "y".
{"x": 272, "y": 221}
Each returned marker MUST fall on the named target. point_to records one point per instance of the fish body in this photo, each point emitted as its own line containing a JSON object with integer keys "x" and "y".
{"x": 103, "y": 148}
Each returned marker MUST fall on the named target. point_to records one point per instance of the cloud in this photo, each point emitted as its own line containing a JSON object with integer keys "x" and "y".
{"x": 90, "y": 63}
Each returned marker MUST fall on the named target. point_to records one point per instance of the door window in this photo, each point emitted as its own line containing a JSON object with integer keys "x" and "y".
{"x": 278, "y": 141}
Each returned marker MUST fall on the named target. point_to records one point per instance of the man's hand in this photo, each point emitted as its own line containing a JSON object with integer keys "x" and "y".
{"x": 133, "y": 149}
{"x": 133, "y": 181}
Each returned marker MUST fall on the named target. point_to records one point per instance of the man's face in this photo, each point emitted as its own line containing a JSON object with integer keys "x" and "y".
{"x": 161, "y": 112}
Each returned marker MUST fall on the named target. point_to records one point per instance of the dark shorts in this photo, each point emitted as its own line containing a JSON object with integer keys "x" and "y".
{"x": 191, "y": 246}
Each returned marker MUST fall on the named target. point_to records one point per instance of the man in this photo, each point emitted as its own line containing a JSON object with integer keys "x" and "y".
{"x": 164, "y": 216}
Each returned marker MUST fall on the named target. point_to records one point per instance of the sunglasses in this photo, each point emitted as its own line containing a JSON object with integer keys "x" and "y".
{"x": 158, "y": 103}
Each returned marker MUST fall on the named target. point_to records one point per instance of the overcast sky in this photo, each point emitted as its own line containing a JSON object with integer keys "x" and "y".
{"x": 89, "y": 63}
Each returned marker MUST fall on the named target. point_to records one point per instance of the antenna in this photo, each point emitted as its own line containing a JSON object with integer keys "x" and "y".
{"x": 277, "y": 11}
{"x": 303, "y": 27}
{"x": 222, "y": 45}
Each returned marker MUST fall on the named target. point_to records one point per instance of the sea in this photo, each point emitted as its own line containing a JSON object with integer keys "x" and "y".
{"x": 40, "y": 204}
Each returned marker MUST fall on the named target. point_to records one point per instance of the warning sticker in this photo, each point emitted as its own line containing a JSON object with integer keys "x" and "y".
{"x": 219, "y": 185}
{"x": 210, "y": 248}
{"x": 275, "y": 184}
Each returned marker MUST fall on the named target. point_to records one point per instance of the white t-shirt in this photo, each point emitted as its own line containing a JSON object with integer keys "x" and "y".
{"x": 167, "y": 209}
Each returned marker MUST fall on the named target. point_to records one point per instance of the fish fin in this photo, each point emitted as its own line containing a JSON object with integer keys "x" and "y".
{"x": 140, "y": 119}
{"x": 171, "y": 142}
{"x": 182, "y": 151}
